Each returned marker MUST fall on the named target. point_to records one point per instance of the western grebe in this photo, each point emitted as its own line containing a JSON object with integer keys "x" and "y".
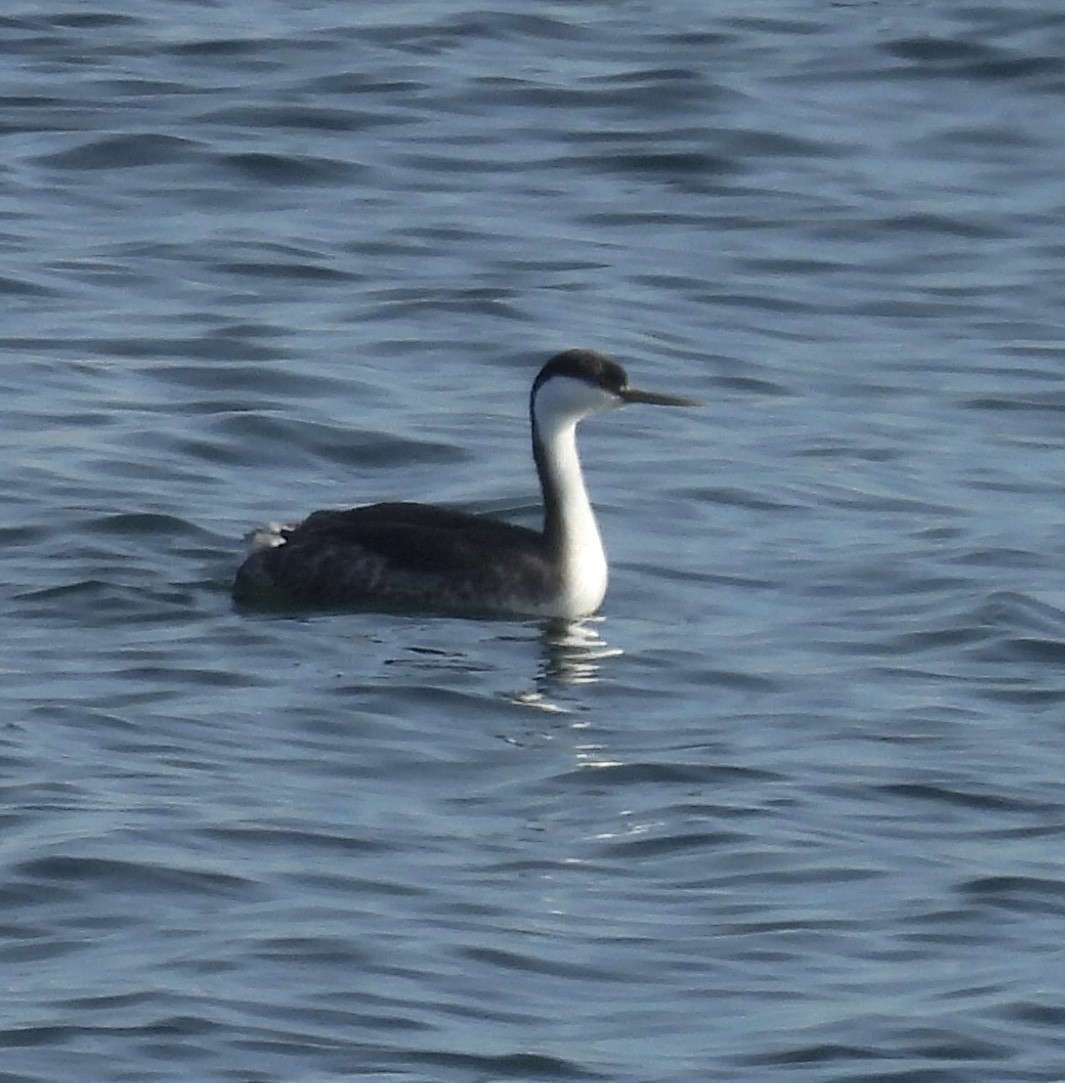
{"x": 414, "y": 556}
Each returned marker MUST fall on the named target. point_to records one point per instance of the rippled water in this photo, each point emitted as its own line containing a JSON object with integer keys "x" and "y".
{"x": 793, "y": 807}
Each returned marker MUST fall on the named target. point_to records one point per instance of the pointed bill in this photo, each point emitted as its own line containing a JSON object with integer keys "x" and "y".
{"x": 653, "y": 398}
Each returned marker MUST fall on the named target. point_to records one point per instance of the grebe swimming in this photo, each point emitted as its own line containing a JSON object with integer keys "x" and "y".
{"x": 415, "y": 556}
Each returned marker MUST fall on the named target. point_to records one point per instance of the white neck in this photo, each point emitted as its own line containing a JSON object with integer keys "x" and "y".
{"x": 569, "y": 521}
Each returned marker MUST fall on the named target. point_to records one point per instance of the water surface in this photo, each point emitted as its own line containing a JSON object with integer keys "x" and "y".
{"x": 792, "y": 807}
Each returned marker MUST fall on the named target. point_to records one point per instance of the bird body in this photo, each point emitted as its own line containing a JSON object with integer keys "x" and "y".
{"x": 417, "y": 556}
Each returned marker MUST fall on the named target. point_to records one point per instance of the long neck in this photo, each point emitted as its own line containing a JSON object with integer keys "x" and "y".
{"x": 570, "y": 530}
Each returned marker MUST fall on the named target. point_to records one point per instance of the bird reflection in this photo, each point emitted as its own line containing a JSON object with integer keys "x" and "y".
{"x": 572, "y": 653}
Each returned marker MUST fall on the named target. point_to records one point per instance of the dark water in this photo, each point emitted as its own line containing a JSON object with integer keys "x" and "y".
{"x": 793, "y": 809}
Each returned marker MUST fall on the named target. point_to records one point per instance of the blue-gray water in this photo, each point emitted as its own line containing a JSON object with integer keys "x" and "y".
{"x": 794, "y": 808}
